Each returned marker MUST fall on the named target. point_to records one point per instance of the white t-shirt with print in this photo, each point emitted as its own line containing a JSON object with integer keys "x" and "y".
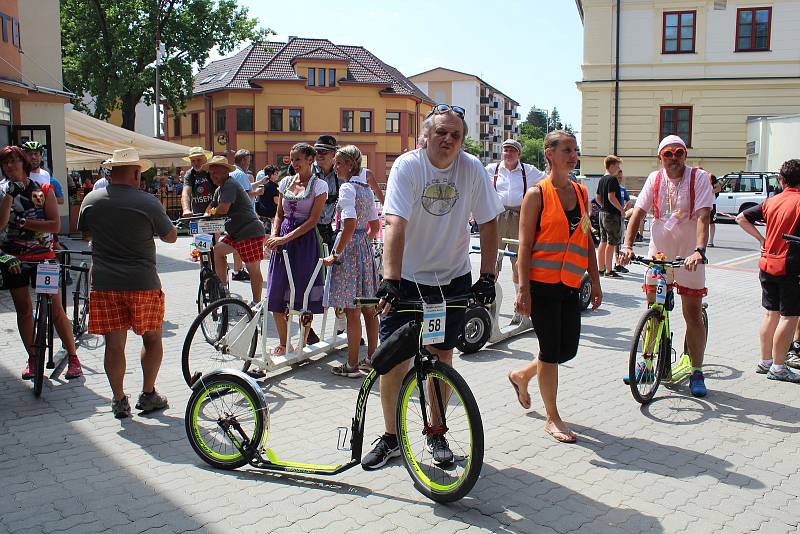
{"x": 41, "y": 176}
{"x": 437, "y": 204}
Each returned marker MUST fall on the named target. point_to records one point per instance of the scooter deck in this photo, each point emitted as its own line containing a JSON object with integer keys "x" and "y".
{"x": 274, "y": 463}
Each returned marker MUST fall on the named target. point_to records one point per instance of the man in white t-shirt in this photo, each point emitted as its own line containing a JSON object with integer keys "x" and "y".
{"x": 34, "y": 151}
{"x": 510, "y": 179}
{"x": 680, "y": 199}
{"x": 430, "y": 195}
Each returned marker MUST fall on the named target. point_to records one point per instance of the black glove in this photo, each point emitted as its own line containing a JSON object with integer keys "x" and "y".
{"x": 389, "y": 290}
{"x": 13, "y": 189}
{"x": 484, "y": 289}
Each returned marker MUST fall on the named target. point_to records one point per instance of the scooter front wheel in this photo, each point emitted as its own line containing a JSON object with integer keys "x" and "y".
{"x": 476, "y": 332}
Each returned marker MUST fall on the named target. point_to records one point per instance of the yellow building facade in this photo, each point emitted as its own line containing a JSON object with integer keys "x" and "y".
{"x": 695, "y": 68}
{"x": 268, "y": 97}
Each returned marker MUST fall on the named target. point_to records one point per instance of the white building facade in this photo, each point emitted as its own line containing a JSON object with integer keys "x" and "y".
{"x": 696, "y": 68}
{"x": 491, "y": 115}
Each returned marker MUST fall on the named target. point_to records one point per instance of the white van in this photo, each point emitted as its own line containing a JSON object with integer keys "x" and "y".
{"x": 742, "y": 190}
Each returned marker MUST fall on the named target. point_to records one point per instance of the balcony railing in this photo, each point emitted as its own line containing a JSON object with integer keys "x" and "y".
{"x": 485, "y": 100}
{"x": 484, "y": 136}
{"x": 496, "y": 104}
{"x": 508, "y": 112}
{"x": 484, "y": 118}
{"x": 508, "y": 127}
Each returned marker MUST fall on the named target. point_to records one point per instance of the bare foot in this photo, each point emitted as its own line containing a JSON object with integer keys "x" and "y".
{"x": 521, "y": 389}
{"x": 560, "y": 431}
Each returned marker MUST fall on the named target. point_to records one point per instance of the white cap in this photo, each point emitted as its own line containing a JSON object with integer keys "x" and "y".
{"x": 670, "y": 140}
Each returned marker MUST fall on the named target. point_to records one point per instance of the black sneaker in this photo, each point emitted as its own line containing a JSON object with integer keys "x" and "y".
{"x": 439, "y": 449}
{"x": 386, "y": 448}
{"x": 611, "y": 274}
{"x": 621, "y": 269}
{"x": 241, "y": 276}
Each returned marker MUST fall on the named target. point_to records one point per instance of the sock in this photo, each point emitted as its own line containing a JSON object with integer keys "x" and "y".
{"x": 766, "y": 363}
{"x": 697, "y": 369}
{"x": 777, "y": 368}
{"x": 391, "y": 439}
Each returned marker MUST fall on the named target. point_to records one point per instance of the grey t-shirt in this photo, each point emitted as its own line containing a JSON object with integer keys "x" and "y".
{"x": 243, "y": 222}
{"x": 123, "y": 221}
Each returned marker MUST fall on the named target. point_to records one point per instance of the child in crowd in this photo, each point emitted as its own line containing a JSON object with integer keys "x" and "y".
{"x": 353, "y": 272}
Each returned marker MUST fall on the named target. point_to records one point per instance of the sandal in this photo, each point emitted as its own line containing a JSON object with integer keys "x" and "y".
{"x": 280, "y": 350}
{"x": 347, "y": 371}
{"x": 562, "y": 436}
{"x": 519, "y": 396}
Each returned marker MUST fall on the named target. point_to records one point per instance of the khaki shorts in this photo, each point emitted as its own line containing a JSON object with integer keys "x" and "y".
{"x": 508, "y": 227}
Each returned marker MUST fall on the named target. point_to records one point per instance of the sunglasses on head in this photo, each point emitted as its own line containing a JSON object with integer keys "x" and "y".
{"x": 438, "y": 109}
{"x": 670, "y": 154}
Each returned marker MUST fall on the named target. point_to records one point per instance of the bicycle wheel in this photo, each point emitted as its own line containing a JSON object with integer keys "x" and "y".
{"x": 80, "y": 303}
{"x": 230, "y": 399}
{"x": 40, "y": 343}
{"x": 645, "y": 361}
{"x": 461, "y": 427}
{"x": 204, "y": 353}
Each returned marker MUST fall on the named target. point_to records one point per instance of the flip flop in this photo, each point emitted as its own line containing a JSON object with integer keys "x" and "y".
{"x": 562, "y": 437}
{"x": 519, "y": 398}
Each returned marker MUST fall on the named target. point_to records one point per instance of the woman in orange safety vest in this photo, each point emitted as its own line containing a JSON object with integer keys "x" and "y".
{"x": 554, "y": 228}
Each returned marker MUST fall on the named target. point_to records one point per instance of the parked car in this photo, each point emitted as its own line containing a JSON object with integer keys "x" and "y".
{"x": 742, "y": 190}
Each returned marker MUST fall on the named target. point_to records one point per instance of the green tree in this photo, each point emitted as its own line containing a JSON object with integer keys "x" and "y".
{"x": 472, "y": 147}
{"x": 535, "y": 124}
{"x": 532, "y": 151}
{"x": 109, "y": 48}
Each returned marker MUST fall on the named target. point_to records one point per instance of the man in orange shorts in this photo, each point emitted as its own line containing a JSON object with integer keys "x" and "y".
{"x": 245, "y": 230}
{"x": 126, "y": 291}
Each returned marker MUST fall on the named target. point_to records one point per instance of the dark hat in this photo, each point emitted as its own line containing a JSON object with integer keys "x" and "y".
{"x": 326, "y": 142}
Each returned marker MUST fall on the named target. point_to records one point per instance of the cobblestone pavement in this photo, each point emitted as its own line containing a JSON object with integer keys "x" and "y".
{"x": 726, "y": 463}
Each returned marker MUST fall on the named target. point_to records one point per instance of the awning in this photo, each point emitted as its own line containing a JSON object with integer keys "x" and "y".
{"x": 91, "y": 141}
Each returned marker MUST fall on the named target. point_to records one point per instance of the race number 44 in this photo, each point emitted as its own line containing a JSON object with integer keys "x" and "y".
{"x": 433, "y": 321}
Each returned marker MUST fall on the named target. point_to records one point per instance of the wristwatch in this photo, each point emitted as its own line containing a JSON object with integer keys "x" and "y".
{"x": 702, "y": 251}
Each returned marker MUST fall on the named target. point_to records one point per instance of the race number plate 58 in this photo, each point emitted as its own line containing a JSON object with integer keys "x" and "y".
{"x": 433, "y": 319}
{"x": 661, "y": 291}
{"x": 47, "y": 278}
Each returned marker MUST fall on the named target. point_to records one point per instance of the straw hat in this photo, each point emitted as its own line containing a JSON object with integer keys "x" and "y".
{"x": 222, "y": 161}
{"x": 127, "y": 157}
{"x": 198, "y": 151}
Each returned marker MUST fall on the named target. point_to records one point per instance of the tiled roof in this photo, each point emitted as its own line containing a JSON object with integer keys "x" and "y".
{"x": 273, "y": 61}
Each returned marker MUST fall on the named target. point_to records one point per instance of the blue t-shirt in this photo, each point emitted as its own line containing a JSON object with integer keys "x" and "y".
{"x": 241, "y": 178}
{"x": 623, "y": 196}
{"x": 59, "y": 192}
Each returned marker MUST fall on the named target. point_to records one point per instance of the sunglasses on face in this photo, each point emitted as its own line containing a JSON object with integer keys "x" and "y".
{"x": 670, "y": 154}
{"x": 444, "y": 108}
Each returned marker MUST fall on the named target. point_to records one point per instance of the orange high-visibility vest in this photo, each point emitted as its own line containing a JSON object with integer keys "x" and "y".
{"x": 558, "y": 256}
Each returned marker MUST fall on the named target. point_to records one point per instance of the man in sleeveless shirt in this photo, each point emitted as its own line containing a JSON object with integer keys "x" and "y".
{"x": 510, "y": 179}
{"x": 680, "y": 199}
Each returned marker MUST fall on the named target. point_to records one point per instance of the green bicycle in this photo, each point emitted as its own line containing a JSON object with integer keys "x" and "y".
{"x": 227, "y": 418}
{"x": 651, "y": 359}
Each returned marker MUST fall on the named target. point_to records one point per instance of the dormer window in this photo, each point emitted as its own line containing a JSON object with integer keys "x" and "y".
{"x": 312, "y": 77}
{"x": 321, "y": 77}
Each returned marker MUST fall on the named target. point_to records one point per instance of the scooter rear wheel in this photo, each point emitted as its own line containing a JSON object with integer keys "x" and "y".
{"x": 476, "y": 332}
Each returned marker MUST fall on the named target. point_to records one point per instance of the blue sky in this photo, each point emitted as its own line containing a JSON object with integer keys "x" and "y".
{"x": 530, "y": 50}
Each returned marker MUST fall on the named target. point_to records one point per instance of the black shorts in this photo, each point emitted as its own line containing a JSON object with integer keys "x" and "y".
{"x": 556, "y": 317}
{"x": 454, "y": 323}
{"x": 9, "y": 280}
{"x": 780, "y": 293}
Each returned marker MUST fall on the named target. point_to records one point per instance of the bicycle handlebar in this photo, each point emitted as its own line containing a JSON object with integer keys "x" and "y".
{"x": 76, "y": 252}
{"x": 677, "y": 262}
{"x": 791, "y": 238}
{"x": 415, "y": 304}
{"x": 476, "y": 249}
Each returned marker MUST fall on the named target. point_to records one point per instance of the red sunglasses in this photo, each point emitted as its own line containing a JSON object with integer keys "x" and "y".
{"x": 677, "y": 153}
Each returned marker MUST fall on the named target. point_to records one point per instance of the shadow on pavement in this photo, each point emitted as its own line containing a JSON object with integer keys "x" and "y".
{"x": 637, "y": 454}
{"x": 524, "y": 502}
